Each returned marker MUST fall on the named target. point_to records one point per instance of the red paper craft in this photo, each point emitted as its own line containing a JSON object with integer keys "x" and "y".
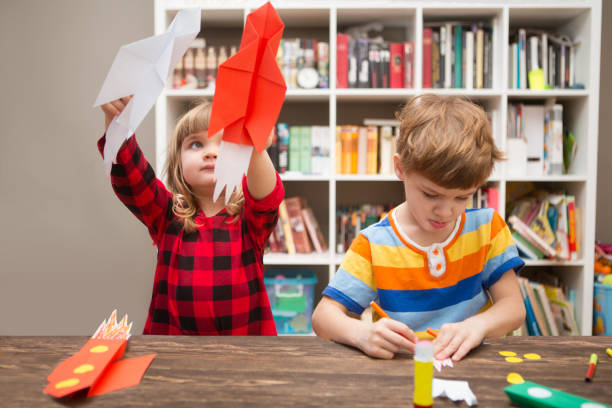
{"x": 94, "y": 366}
{"x": 250, "y": 88}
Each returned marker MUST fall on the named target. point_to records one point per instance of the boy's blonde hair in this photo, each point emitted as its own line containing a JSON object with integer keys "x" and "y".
{"x": 448, "y": 140}
{"x": 184, "y": 202}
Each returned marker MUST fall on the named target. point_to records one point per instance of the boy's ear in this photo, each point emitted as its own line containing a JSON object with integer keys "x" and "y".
{"x": 397, "y": 166}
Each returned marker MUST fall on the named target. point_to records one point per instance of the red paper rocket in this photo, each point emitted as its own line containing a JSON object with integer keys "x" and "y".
{"x": 249, "y": 93}
{"x": 250, "y": 89}
{"x": 95, "y": 367}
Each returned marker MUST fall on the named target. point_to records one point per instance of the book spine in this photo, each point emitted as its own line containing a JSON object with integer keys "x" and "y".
{"x": 458, "y": 58}
{"x": 427, "y": 56}
{"x": 342, "y": 60}
{"x": 409, "y": 65}
{"x": 283, "y": 217}
{"x": 396, "y": 65}
{"x": 300, "y": 236}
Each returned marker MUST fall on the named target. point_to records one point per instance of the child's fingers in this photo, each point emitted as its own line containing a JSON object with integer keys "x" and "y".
{"x": 399, "y": 333}
{"x": 462, "y": 351}
{"x": 451, "y": 348}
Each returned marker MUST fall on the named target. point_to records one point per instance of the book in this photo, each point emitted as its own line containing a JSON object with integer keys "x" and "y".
{"x": 520, "y": 227}
{"x": 396, "y": 65}
{"x": 479, "y": 82}
{"x": 282, "y": 132}
{"x": 458, "y": 56}
{"x": 362, "y": 150}
{"x": 526, "y": 248}
{"x": 469, "y": 60}
{"x": 534, "y": 306}
{"x": 409, "y": 64}
{"x": 427, "y": 57}
{"x": 283, "y": 218}
{"x": 533, "y": 123}
{"x": 447, "y": 29}
{"x": 571, "y": 222}
{"x": 550, "y": 320}
{"x": 372, "y": 150}
{"x": 435, "y": 59}
{"x": 386, "y": 155}
{"x": 314, "y": 231}
{"x": 532, "y": 324}
{"x": 298, "y": 229}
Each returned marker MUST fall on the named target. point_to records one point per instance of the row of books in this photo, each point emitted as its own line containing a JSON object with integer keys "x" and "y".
{"x": 549, "y": 312}
{"x": 198, "y": 67}
{"x": 537, "y": 144}
{"x": 456, "y": 55}
{"x": 352, "y": 219}
{"x": 297, "y": 230}
{"x": 485, "y": 197}
{"x": 366, "y": 149}
{"x": 301, "y": 149}
{"x": 545, "y": 225}
{"x": 373, "y": 63}
{"x": 304, "y": 63}
{"x": 540, "y": 60}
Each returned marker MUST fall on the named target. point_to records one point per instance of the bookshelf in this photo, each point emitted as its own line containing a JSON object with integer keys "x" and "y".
{"x": 404, "y": 21}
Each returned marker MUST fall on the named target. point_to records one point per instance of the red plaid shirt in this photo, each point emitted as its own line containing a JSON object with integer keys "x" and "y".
{"x": 210, "y": 281}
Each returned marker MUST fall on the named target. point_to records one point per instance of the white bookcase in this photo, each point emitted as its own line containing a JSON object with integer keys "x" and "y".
{"x": 222, "y": 23}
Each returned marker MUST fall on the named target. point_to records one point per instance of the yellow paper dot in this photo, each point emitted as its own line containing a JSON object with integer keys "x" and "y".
{"x": 514, "y": 359}
{"x": 83, "y": 368}
{"x": 67, "y": 383}
{"x": 532, "y": 356}
{"x": 98, "y": 349}
{"x": 507, "y": 353}
{"x": 515, "y": 378}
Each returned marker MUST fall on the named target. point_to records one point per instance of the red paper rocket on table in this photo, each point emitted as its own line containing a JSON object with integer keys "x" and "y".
{"x": 96, "y": 366}
{"x": 249, "y": 94}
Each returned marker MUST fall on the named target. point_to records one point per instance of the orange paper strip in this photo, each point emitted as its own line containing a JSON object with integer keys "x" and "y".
{"x": 122, "y": 374}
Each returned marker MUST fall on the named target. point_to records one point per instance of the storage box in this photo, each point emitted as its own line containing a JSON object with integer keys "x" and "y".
{"x": 291, "y": 294}
{"x": 602, "y": 309}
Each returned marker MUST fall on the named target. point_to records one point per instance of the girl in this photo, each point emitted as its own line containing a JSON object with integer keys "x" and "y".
{"x": 209, "y": 274}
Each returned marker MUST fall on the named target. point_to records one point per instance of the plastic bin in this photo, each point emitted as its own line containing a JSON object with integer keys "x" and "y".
{"x": 291, "y": 294}
{"x": 602, "y": 309}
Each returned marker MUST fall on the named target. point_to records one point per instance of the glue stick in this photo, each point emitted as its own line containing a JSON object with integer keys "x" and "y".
{"x": 423, "y": 374}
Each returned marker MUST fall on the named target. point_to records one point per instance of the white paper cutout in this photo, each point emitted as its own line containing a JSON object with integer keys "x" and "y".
{"x": 454, "y": 390}
{"x": 141, "y": 69}
{"x": 232, "y": 162}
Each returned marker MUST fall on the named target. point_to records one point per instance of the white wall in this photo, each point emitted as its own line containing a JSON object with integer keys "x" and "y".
{"x": 69, "y": 251}
{"x": 603, "y": 227}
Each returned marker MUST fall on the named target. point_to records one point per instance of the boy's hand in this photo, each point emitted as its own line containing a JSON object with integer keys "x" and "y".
{"x": 114, "y": 108}
{"x": 385, "y": 338}
{"x": 455, "y": 340}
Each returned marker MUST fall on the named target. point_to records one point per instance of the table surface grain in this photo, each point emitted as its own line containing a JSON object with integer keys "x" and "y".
{"x": 297, "y": 371}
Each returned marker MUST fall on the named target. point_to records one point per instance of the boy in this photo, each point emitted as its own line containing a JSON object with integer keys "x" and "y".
{"x": 430, "y": 262}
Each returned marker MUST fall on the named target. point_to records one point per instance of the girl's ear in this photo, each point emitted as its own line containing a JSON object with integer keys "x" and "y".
{"x": 397, "y": 166}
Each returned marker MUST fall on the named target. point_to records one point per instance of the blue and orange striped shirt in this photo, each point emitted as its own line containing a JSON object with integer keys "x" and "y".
{"x": 383, "y": 264}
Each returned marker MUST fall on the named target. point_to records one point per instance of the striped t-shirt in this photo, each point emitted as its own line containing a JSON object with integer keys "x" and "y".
{"x": 426, "y": 287}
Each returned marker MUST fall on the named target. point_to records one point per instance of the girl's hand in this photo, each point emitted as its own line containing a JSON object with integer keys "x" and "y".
{"x": 455, "y": 340}
{"x": 385, "y": 338}
{"x": 271, "y": 137}
{"x": 114, "y": 108}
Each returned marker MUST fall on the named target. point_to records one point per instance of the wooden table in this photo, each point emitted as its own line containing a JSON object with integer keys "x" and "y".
{"x": 298, "y": 371}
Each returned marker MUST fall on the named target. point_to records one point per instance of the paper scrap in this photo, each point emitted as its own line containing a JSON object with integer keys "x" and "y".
{"x": 141, "y": 69}
{"x": 454, "y": 390}
{"x": 438, "y": 364}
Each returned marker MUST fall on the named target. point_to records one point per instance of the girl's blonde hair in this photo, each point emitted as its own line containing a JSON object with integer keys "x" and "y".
{"x": 184, "y": 202}
{"x": 448, "y": 140}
